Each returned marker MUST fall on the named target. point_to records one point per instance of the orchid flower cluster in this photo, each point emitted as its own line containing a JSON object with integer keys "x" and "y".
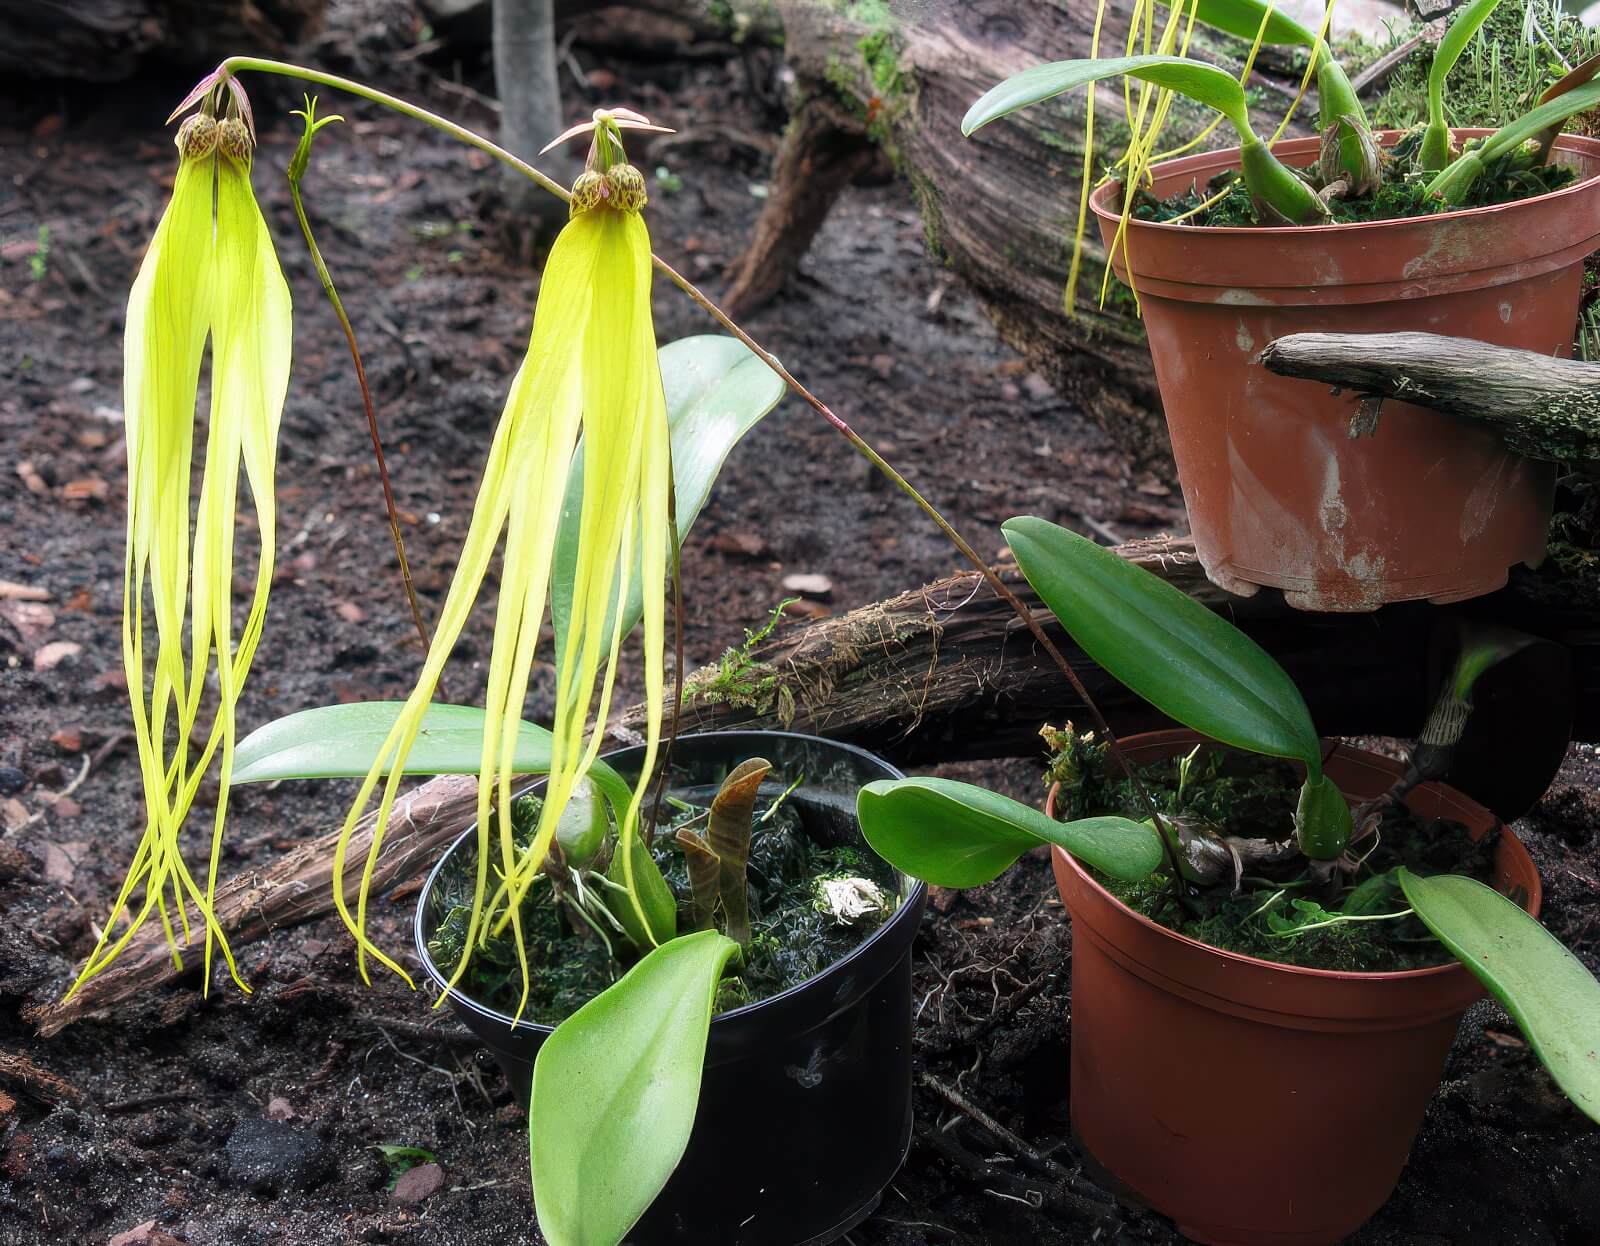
{"x": 209, "y": 290}
{"x": 586, "y": 401}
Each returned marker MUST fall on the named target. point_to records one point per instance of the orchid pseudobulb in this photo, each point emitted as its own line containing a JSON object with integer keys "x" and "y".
{"x": 210, "y": 273}
{"x": 591, "y": 370}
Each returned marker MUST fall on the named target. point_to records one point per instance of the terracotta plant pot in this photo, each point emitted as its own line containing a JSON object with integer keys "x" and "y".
{"x": 1278, "y": 493}
{"x": 1257, "y": 1103}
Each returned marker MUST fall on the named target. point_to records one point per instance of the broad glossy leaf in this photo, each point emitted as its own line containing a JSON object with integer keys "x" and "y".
{"x": 1188, "y": 662}
{"x": 342, "y": 742}
{"x": 1205, "y": 84}
{"x": 1555, "y": 1000}
{"x": 1243, "y": 18}
{"x": 615, "y": 1090}
{"x": 957, "y": 835}
{"x": 716, "y": 392}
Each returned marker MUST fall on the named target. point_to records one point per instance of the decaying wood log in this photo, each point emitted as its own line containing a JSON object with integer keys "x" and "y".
{"x": 1544, "y": 408}
{"x": 108, "y": 40}
{"x": 999, "y": 209}
{"x": 298, "y": 888}
{"x": 946, "y": 673}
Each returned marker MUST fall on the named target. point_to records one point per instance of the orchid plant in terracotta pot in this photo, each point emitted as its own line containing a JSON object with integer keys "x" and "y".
{"x": 1471, "y": 234}
{"x": 1302, "y": 927}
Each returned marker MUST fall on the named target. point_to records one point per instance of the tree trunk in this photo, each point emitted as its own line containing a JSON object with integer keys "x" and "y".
{"x": 530, "y": 107}
{"x": 109, "y": 40}
{"x": 1001, "y": 208}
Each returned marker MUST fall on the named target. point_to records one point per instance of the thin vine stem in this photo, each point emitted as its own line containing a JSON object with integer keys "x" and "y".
{"x": 296, "y": 172}
{"x": 235, "y": 64}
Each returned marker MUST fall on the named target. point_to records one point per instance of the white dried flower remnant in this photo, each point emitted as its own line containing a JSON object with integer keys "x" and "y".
{"x": 849, "y": 901}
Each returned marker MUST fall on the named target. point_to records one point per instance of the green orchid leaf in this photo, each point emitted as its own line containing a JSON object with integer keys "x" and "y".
{"x": 1243, "y": 18}
{"x": 1436, "y": 138}
{"x": 1581, "y": 73}
{"x": 615, "y": 1090}
{"x": 1531, "y": 123}
{"x": 1452, "y": 184}
{"x": 656, "y": 901}
{"x": 1554, "y": 999}
{"x": 1205, "y": 84}
{"x": 956, "y": 835}
{"x": 1188, "y": 662}
{"x": 343, "y": 742}
{"x": 716, "y": 392}
{"x": 1322, "y": 819}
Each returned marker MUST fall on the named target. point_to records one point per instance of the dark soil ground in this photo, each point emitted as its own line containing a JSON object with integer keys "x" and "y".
{"x": 235, "y": 1121}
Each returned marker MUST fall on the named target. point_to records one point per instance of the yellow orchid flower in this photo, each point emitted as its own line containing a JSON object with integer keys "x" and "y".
{"x": 210, "y": 272}
{"x": 590, "y": 369}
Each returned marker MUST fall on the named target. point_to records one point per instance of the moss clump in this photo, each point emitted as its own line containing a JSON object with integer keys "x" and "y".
{"x": 791, "y": 939}
{"x": 1280, "y": 913}
{"x": 1500, "y": 76}
{"x": 1506, "y": 181}
{"x": 738, "y": 679}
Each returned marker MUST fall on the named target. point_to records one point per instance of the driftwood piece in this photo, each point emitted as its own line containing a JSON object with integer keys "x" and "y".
{"x": 109, "y": 40}
{"x": 21, "y": 1073}
{"x": 1544, "y": 408}
{"x": 298, "y": 888}
{"x": 999, "y": 209}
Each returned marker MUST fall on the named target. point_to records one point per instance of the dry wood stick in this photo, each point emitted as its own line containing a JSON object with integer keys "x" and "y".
{"x": 298, "y": 888}
{"x": 1542, "y": 407}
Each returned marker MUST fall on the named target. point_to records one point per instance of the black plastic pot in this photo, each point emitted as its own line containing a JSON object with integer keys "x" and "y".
{"x": 805, "y": 1107}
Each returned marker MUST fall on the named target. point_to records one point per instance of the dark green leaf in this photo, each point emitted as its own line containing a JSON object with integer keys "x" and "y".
{"x": 1187, "y": 661}
{"x": 1203, "y": 83}
{"x": 615, "y": 1090}
{"x": 1543, "y": 986}
{"x": 716, "y": 392}
{"x": 957, "y": 835}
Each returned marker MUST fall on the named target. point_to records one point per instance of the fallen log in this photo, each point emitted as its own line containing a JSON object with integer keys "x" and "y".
{"x": 1000, "y": 209}
{"x": 1542, "y": 407}
{"x": 946, "y": 673}
{"x": 109, "y": 40}
{"x": 298, "y": 888}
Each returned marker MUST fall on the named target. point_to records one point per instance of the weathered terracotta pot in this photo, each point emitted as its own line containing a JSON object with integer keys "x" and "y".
{"x": 1258, "y": 1104}
{"x": 1278, "y": 493}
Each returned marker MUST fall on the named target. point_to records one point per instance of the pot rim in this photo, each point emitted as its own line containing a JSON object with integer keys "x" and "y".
{"x": 1228, "y": 157}
{"x": 909, "y": 900}
{"x": 1429, "y": 974}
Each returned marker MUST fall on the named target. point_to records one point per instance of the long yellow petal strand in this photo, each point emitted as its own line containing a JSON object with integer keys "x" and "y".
{"x": 591, "y": 367}
{"x": 528, "y": 457}
{"x": 164, "y": 344}
{"x": 251, "y": 342}
{"x": 211, "y": 269}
